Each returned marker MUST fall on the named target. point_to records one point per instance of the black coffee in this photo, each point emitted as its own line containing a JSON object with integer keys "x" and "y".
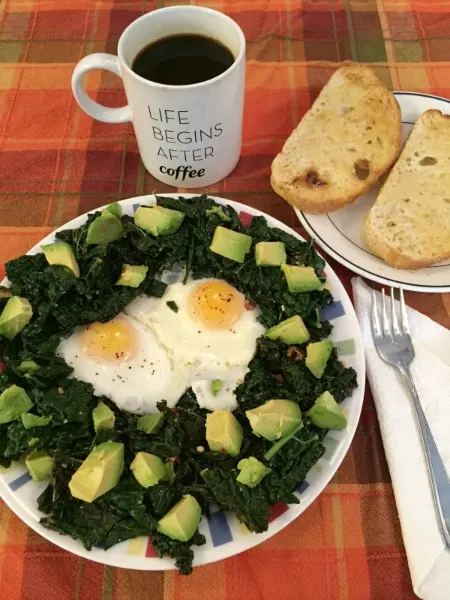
{"x": 182, "y": 60}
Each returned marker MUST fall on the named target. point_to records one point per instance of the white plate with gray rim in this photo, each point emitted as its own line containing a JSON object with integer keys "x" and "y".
{"x": 340, "y": 233}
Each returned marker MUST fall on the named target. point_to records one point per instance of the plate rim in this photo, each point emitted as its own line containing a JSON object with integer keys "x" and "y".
{"x": 232, "y": 548}
{"x": 349, "y": 264}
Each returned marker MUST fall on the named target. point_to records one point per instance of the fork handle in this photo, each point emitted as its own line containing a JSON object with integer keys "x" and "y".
{"x": 440, "y": 484}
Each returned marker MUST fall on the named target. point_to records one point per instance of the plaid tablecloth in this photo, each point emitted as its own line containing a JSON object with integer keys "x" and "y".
{"x": 56, "y": 162}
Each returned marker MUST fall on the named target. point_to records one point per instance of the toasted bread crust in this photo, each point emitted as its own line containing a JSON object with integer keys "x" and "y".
{"x": 422, "y": 237}
{"x": 343, "y": 145}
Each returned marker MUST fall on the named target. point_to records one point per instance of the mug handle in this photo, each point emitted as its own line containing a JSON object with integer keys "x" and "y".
{"x": 109, "y": 62}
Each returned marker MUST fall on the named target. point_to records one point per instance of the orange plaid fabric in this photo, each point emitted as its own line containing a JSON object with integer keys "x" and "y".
{"x": 56, "y": 163}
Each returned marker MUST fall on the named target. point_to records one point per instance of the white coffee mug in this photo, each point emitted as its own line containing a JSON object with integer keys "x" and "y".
{"x": 188, "y": 135}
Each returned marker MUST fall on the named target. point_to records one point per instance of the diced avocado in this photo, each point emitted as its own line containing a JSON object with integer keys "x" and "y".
{"x": 33, "y": 441}
{"x": 230, "y": 244}
{"x": 252, "y": 471}
{"x": 14, "y": 401}
{"x": 103, "y": 417}
{"x": 16, "y": 314}
{"x": 61, "y": 253}
{"x": 104, "y": 229}
{"x": 290, "y": 331}
{"x": 327, "y": 413}
{"x": 132, "y": 275}
{"x": 150, "y": 423}
{"x": 98, "y": 473}
{"x": 216, "y": 386}
{"x": 182, "y": 520}
{"x": 275, "y": 418}
{"x": 317, "y": 355}
{"x": 39, "y": 465}
{"x": 300, "y": 278}
{"x": 218, "y": 210}
{"x": 158, "y": 220}
{"x": 28, "y": 366}
{"x": 223, "y": 432}
{"x": 170, "y": 472}
{"x": 5, "y": 292}
{"x": 270, "y": 254}
{"x": 29, "y": 420}
{"x": 148, "y": 469}
{"x": 115, "y": 209}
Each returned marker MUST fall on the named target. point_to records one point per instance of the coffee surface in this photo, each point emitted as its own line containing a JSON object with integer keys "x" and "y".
{"x": 182, "y": 60}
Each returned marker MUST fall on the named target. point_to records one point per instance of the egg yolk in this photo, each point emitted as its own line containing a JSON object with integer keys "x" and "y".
{"x": 114, "y": 341}
{"x": 216, "y": 304}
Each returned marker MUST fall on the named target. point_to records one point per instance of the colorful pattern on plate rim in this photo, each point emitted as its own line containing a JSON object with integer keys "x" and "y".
{"x": 219, "y": 526}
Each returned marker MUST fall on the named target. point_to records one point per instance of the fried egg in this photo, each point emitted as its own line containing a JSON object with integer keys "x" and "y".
{"x": 124, "y": 361}
{"x": 207, "y": 329}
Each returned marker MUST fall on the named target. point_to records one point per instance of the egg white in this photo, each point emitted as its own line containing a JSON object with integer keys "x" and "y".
{"x": 134, "y": 386}
{"x": 206, "y": 353}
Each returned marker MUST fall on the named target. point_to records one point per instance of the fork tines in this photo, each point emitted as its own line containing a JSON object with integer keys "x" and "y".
{"x": 389, "y": 328}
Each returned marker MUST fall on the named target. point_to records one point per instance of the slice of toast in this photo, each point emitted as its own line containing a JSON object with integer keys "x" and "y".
{"x": 342, "y": 146}
{"x": 409, "y": 224}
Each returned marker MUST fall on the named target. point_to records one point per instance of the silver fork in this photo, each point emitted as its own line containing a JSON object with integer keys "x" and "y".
{"x": 394, "y": 346}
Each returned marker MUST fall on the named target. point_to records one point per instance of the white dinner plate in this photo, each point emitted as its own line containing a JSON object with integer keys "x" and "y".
{"x": 340, "y": 233}
{"x": 225, "y": 536}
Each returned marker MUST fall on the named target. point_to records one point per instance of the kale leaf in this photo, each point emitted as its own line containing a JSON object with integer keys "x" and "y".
{"x": 119, "y": 515}
{"x": 276, "y": 373}
{"x": 180, "y": 551}
{"x": 251, "y": 505}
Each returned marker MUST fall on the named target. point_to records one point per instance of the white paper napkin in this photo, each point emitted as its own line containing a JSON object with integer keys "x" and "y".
{"x": 429, "y": 560}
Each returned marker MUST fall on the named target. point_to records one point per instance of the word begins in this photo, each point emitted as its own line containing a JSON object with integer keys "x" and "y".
{"x": 187, "y": 137}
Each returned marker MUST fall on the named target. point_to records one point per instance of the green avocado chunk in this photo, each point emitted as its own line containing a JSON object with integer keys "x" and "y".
{"x": 15, "y": 316}
{"x": 326, "y": 413}
{"x": 132, "y": 275}
{"x": 317, "y": 355}
{"x": 104, "y": 229}
{"x": 39, "y": 465}
{"x": 61, "y": 253}
{"x": 290, "y": 331}
{"x": 14, "y": 401}
{"x": 28, "y": 366}
{"x": 115, "y": 209}
{"x": 29, "y": 420}
{"x": 275, "y": 418}
{"x": 223, "y": 432}
{"x": 252, "y": 471}
{"x": 99, "y": 472}
{"x": 301, "y": 278}
{"x": 182, "y": 520}
{"x": 230, "y": 244}
{"x": 158, "y": 220}
{"x": 103, "y": 417}
{"x": 150, "y": 423}
{"x": 147, "y": 469}
{"x": 270, "y": 254}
